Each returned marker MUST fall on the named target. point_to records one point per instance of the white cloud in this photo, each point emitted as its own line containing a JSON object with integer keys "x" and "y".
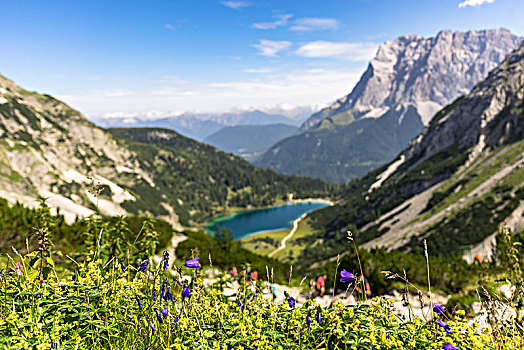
{"x": 258, "y": 70}
{"x": 307, "y": 24}
{"x": 281, "y": 20}
{"x": 169, "y": 26}
{"x": 474, "y": 3}
{"x": 235, "y": 5}
{"x": 270, "y": 47}
{"x": 351, "y": 51}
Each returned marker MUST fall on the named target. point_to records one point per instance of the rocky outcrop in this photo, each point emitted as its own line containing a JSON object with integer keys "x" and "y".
{"x": 425, "y": 72}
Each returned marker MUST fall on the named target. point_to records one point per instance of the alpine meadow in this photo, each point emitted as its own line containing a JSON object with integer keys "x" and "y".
{"x": 262, "y": 175}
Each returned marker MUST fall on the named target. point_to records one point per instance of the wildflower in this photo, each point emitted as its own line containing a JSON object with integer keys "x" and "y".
{"x": 442, "y": 324}
{"x": 154, "y": 295}
{"x": 438, "y": 308}
{"x": 308, "y": 322}
{"x": 169, "y": 296}
{"x": 142, "y": 331}
{"x": 240, "y": 305}
{"x": 163, "y": 292}
{"x": 177, "y": 282}
{"x": 1, "y": 275}
{"x": 142, "y": 266}
{"x": 151, "y": 324}
{"x": 449, "y": 347}
{"x": 140, "y": 306}
{"x": 178, "y": 317}
{"x": 346, "y": 276}
{"x": 164, "y": 312}
{"x": 85, "y": 298}
{"x": 166, "y": 260}
{"x": 291, "y": 301}
{"x": 19, "y": 268}
{"x": 167, "y": 293}
{"x": 421, "y": 299}
{"x": 192, "y": 263}
{"x": 122, "y": 266}
{"x": 319, "y": 317}
{"x": 159, "y": 318}
{"x": 186, "y": 293}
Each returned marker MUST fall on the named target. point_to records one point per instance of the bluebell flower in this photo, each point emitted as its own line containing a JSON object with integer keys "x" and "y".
{"x": 442, "y": 324}
{"x": 164, "y": 312}
{"x": 291, "y": 301}
{"x": 346, "y": 276}
{"x": 186, "y": 293}
{"x": 151, "y": 324}
{"x": 192, "y": 263}
{"x": 438, "y": 308}
{"x": 142, "y": 266}
{"x": 308, "y": 322}
{"x": 178, "y": 317}
{"x": 449, "y": 347}
{"x": 140, "y": 306}
{"x": 159, "y": 318}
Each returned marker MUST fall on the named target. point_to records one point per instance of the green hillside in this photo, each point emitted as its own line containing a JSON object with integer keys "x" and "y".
{"x": 200, "y": 182}
{"x": 366, "y": 143}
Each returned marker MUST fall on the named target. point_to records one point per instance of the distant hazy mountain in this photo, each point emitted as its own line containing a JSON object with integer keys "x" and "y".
{"x": 249, "y": 141}
{"x": 200, "y": 126}
{"x": 414, "y": 74}
{"x": 455, "y": 184}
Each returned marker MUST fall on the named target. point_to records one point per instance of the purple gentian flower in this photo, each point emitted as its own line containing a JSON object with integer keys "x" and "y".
{"x": 151, "y": 324}
{"x": 154, "y": 295}
{"x": 164, "y": 312}
{"x": 142, "y": 266}
{"x": 346, "y": 276}
{"x": 442, "y": 324}
{"x": 186, "y": 293}
{"x": 163, "y": 292}
{"x": 438, "y": 308}
{"x": 193, "y": 263}
{"x": 167, "y": 293}
{"x": 169, "y": 296}
{"x": 291, "y": 301}
{"x": 319, "y": 317}
{"x": 159, "y": 318}
{"x": 166, "y": 260}
{"x": 240, "y": 305}
{"x": 308, "y": 322}
{"x": 449, "y": 347}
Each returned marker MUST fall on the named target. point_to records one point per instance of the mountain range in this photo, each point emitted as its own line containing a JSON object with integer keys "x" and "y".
{"x": 410, "y": 77}
{"x": 48, "y": 149}
{"x": 454, "y": 186}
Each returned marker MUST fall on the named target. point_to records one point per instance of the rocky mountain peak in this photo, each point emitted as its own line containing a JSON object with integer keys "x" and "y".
{"x": 490, "y": 115}
{"x": 425, "y": 72}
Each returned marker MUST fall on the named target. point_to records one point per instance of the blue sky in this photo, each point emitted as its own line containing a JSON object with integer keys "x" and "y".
{"x": 139, "y": 56}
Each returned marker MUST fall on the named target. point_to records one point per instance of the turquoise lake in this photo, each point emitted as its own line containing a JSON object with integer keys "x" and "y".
{"x": 277, "y": 218}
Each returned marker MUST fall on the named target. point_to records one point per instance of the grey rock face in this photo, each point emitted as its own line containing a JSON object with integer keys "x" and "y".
{"x": 490, "y": 115}
{"x": 426, "y": 72}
